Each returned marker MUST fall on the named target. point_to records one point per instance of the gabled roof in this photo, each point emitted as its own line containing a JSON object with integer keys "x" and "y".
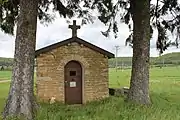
{"x": 74, "y": 39}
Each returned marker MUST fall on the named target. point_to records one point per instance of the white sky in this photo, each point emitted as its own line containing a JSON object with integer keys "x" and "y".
{"x": 58, "y": 31}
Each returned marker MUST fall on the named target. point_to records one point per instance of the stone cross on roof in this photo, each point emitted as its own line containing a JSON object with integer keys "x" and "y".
{"x": 74, "y": 28}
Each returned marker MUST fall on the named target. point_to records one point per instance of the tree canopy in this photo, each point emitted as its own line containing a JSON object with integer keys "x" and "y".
{"x": 67, "y": 9}
{"x": 165, "y": 17}
{"x": 3, "y": 1}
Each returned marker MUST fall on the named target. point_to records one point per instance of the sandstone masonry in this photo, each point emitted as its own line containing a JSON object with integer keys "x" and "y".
{"x": 50, "y": 72}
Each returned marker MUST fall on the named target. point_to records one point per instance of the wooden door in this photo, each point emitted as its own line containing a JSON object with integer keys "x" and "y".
{"x": 73, "y": 83}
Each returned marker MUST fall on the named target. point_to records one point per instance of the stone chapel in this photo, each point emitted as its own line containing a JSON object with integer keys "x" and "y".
{"x": 72, "y": 71}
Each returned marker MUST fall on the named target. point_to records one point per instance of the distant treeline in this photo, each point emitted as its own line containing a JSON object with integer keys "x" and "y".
{"x": 171, "y": 59}
{"x": 6, "y": 63}
{"x": 128, "y": 63}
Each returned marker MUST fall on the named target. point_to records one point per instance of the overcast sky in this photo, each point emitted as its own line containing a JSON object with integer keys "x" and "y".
{"x": 58, "y": 31}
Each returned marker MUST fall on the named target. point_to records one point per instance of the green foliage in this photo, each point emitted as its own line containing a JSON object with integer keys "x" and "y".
{"x": 170, "y": 58}
{"x": 164, "y": 91}
{"x": 126, "y": 62}
{"x": 166, "y": 59}
{"x": 6, "y": 63}
{"x": 3, "y": 1}
{"x": 9, "y": 12}
{"x": 110, "y": 13}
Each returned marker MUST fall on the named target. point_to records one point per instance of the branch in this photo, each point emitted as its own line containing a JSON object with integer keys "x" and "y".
{"x": 156, "y": 13}
{"x": 157, "y": 4}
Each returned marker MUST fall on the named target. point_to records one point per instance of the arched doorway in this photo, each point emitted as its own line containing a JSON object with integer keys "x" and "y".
{"x": 73, "y": 82}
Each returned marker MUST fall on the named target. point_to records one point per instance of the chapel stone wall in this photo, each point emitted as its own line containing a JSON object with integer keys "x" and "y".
{"x": 50, "y": 72}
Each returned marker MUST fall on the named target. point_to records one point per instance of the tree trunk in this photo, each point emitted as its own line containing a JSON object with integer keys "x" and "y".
{"x": 139, "y": 85}
{"x": 21, "y": 100}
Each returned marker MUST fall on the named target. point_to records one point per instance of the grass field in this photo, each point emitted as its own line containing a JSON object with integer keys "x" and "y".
{"x": 164, "y": 93}
{"x": 5, "y": 75}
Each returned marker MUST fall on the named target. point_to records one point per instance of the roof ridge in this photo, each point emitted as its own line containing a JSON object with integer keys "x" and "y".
{"x": 74, "y": 39}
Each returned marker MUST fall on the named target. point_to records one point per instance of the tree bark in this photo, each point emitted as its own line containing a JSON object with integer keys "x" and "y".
{"x": 21, "y": 100}
{"x": 139, "y": 85}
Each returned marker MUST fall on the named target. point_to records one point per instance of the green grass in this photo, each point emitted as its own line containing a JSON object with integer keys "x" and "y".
{"x": 5, "y": 75}
{"x": 4, "y": 87}
{"x": 164, "y": 93}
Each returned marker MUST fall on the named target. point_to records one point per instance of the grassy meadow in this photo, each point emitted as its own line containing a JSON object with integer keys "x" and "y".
{"x": 5, "y": 75}
{"x": 164, "y": 93}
